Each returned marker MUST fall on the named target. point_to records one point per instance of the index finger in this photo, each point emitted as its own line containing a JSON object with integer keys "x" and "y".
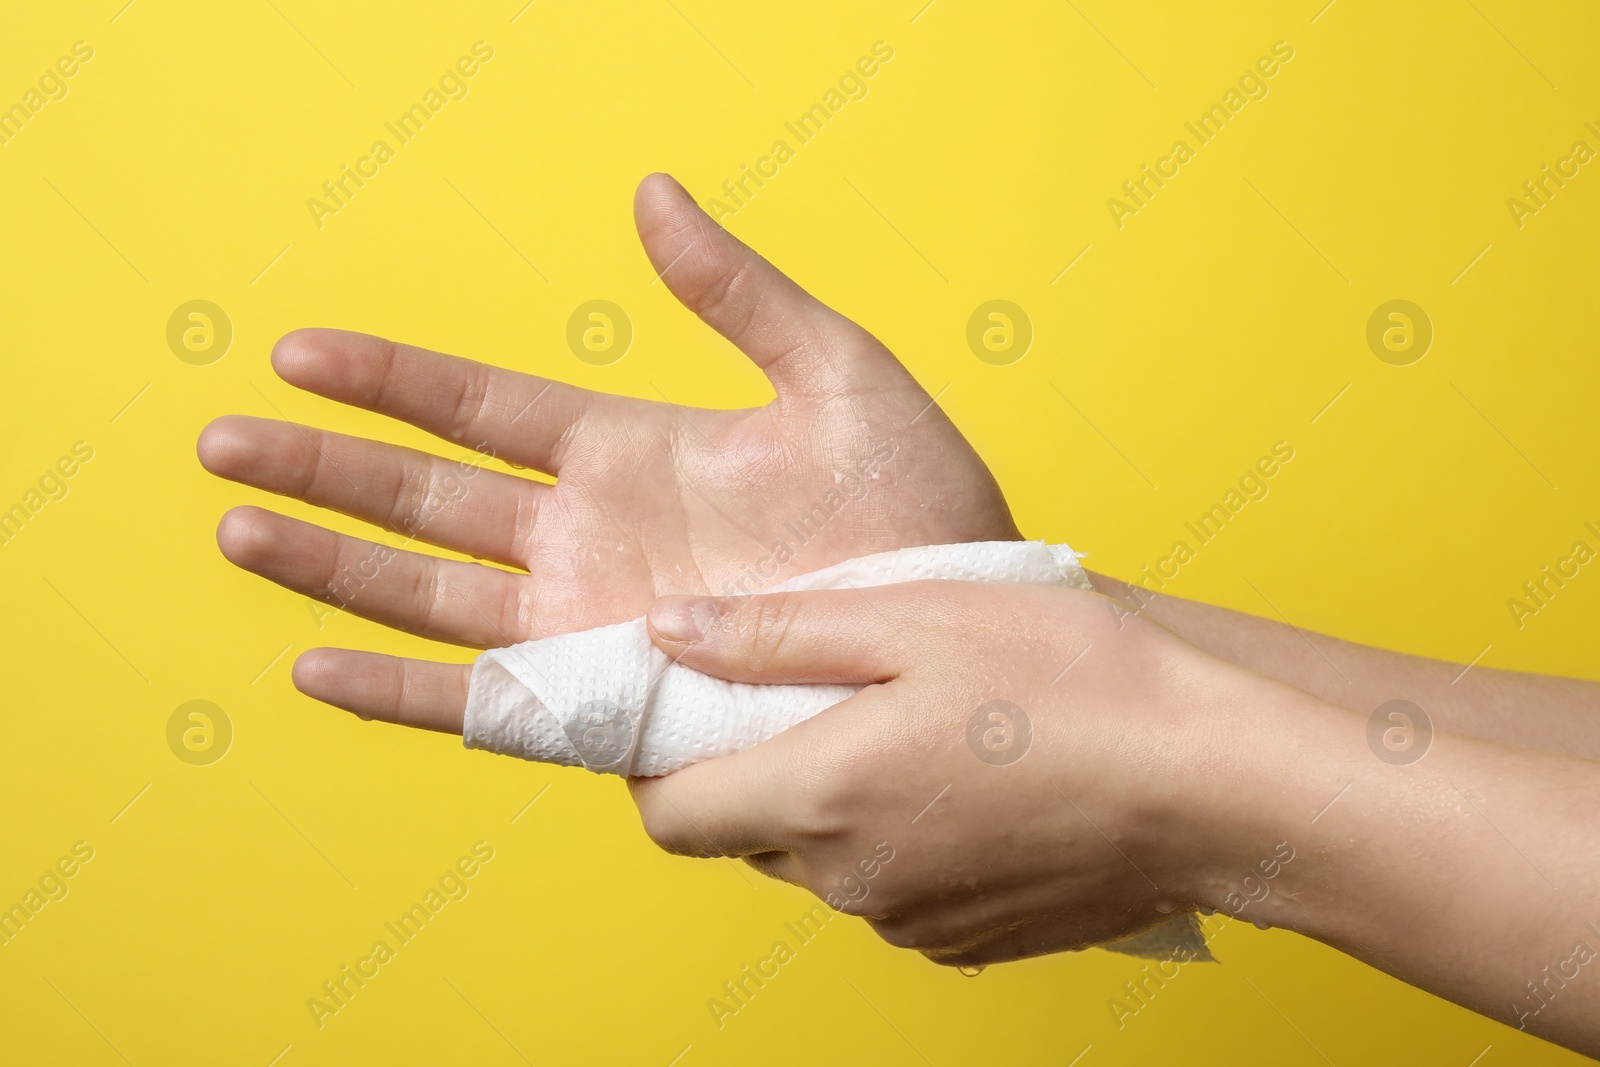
{"x": 514, "y": 416}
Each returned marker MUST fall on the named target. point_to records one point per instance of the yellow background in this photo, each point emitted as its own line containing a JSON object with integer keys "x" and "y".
{"x": 1225, "y": 316}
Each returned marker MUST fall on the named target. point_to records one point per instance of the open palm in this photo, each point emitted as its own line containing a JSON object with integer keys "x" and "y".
{"x": 851, "y": 457}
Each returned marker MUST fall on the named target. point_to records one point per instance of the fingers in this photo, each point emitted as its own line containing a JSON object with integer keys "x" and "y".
{"x": 465, "y": 603}
{"x": 410, "y": 692}
{"x": 784, "y": 330}
{"x": 513, "y": 416}
{"x": 846, "y": 636}
{"x": 729, "y": 806}
{"x": 773, "y": 798}
{"x": 482, "y": 513}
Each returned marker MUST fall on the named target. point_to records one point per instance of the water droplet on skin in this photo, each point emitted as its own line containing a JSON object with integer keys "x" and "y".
{"x": 1165, "y": 906}
{"x": 971, "y": 972}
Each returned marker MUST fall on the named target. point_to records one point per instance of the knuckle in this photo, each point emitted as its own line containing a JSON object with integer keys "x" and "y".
{"x": 524, "y": 519}
{"x": 774, "y": 618}
{"x": 724, "y": 295}
{"x": 817, "y": 805}
{"x": 312, "y": 460}
{"x": 427, "y": 597}
{"x": 408, "y": 507}
{"x": 471, "y": 399}
{"x": 518, "y": 606}
{"x": 346, "y": 573}
{"x": 759, "y": 626}
{"x": 661, "y": 825}
{"x": 566, "y": 442}
{"x": 376, "y": 373}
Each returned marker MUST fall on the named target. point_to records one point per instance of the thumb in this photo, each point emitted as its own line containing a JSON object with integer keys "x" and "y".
{"x": 793, "y": 337}
{"x": 786, "y": 637}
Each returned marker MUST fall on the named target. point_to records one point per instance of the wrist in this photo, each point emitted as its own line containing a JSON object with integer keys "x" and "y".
{"x": 1256, "y": 775}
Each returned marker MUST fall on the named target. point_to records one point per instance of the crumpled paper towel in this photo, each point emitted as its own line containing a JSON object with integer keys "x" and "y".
{"x": 609, "y": 700}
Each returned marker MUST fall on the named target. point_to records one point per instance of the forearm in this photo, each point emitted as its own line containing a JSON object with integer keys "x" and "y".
{"x": 1471, "y": 873}
{"x": 1536, "y": 711}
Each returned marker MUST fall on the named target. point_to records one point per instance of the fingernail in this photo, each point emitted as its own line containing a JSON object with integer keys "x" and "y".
{"x": 681, "y": 619}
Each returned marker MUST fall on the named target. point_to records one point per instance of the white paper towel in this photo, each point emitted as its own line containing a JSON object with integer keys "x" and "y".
{"x": 609, "y": 700}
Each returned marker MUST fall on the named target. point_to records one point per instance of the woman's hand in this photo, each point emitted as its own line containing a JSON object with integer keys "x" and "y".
{"x": 1028, "y": 770}
{"x": 649, "y": 498}
{"x": 1149, "y": 775}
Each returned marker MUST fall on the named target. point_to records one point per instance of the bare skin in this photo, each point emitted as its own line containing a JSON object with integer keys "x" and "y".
{"x": 1513, "y": 707}
{"x": 650, "y": 498}
{"x": 654, "y": 499}
{"x": 1469, "y": 873}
